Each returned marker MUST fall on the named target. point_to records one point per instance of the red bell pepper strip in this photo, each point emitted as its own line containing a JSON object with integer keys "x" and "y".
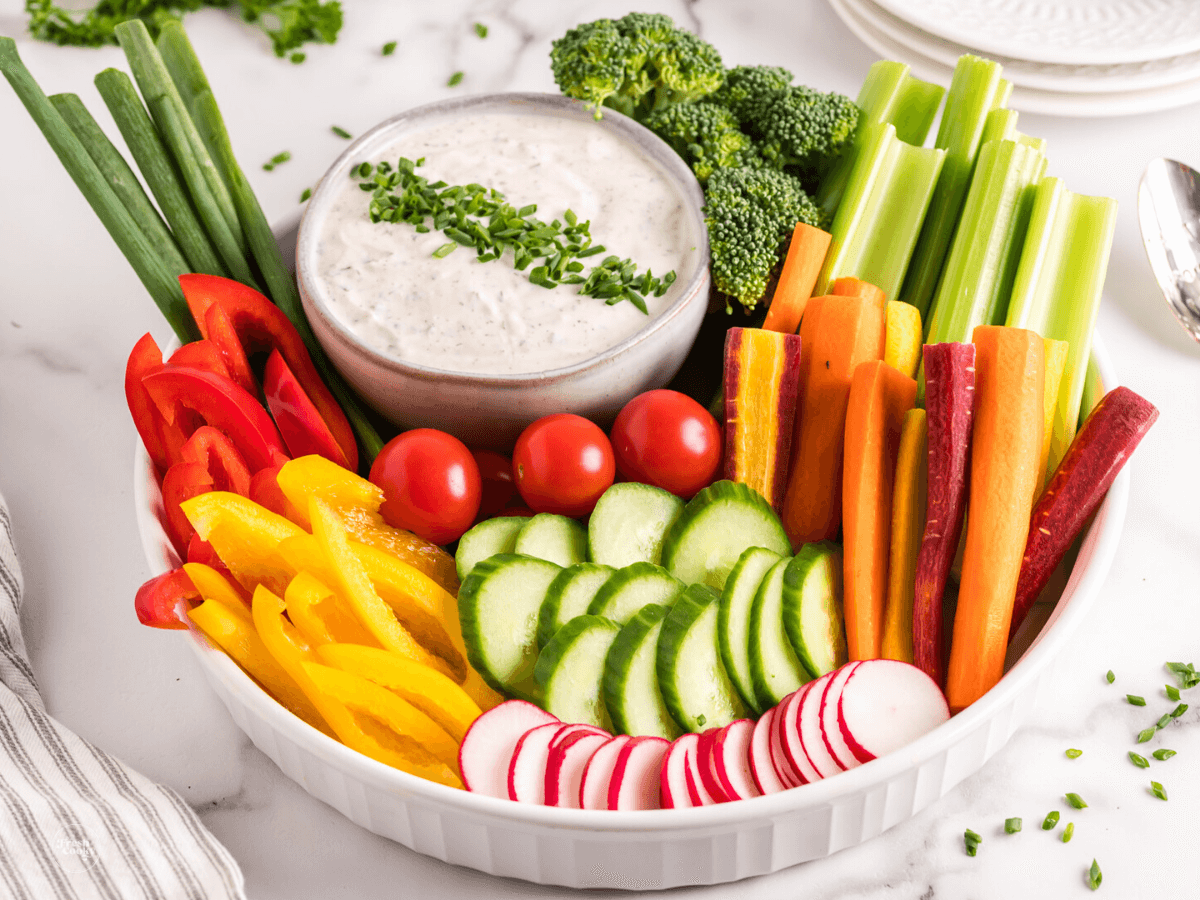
{"x": 260, "y": 324}
{"x": 303, "y": 429}
{"x": 183, "y": 481}
{"x": 219, "y": 329}
{"x": 220, "y": 458}
{"x": 200, "y": 355}
{"x": 157, "y": 599}
{"x": 161, "y": 439}
{"x": 266, "y": 492}
{"x": 220, "y": 403}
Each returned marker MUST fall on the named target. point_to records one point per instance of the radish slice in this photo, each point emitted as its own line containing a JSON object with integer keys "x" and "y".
{"x": 569, "y": 756}
{"x": 761, "y": 768}
{"x": 787, "y": 772}
{"x": 581, "y": 728}
{"x": 527, "y": 771}
{"x": 731, "y": 755}
{"x": 791, "y": 739}
{"x": 706, "y": 766}
{"x": 488, "y": 746}
{"x": 634, "y": 782}
{"x": 593, "y": 789}
{"x": 831, "y": 728}
{"x": 886, "y": 704}
{"x": 673, "y": 781}
{"x": 808, "y": 724}
{"x": 697, "y": 792}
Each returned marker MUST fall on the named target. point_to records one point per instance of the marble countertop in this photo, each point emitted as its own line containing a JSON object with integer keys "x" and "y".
{"x": 72, "y": 308}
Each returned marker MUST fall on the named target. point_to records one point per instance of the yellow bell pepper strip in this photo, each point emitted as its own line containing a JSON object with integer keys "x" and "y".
{"x": 1056, "y": 365}
{"x": 212, "y": 585}
{"x": 246, "y": 537}
{"x": 357, "y": 502}
{"x": 235, "y": 634}
{"x": 428, "y": 690}
{"x": 908, "y": 526}
{"x": 902, "y": 337}
{"x": 320, "y": 615}
{"x": 369, "y": 699}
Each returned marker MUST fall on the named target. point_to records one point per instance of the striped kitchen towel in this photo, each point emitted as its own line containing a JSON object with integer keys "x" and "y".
{"x": 75, "y": 823}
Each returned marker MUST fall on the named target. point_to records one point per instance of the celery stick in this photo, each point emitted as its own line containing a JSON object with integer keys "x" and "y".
{"x": 158, "y": 170}
{"x": 121, "y": 179}
{"x": 158, "y": 279}
{"x": 204, "y": 183}
{"x": 1057, "y": 288}
{"x": 1001, "y": 125}
{"x": 975, "y": 90}
{"x": 1093, "y": 390}
{"x": 880, "y": 215}
{"x": 889, "y": 94}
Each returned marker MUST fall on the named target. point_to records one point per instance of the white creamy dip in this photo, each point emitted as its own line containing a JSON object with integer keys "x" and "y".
{"x": 457, "y": 314}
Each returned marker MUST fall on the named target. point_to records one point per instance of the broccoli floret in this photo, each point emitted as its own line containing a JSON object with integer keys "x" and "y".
{"x": 706, "y": 136}
{"x": 748, "y": 90}
{"x": 750, "y": 212}
{"x": 636, "y": 64}
{"x": 806, "y": 129}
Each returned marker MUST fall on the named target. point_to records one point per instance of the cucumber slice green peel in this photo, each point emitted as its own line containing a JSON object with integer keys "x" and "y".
{"x": 812, "y": 607}
{"x": 489, "y": 537}
{"x": 775, "y": 670}
{"x": 570, "y": 670}
{"x": 631, "y": 692}
{"x": 631, "y": 588}
{"x": 733, "y": 619}
{"x": 568, "y": 596}
{"x": 629, "y": 523}
{"x": 552, "y": 537}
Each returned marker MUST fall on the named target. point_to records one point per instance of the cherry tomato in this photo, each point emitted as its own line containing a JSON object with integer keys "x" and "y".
{"x": 667, "y": 439}
{"x": 498, "y": 489}
{"x": 430, "y": 482}
{"x": 562, "y": 464}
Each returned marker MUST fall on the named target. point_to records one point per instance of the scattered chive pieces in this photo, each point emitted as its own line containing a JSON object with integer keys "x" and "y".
{"x": 481, "y": 29}
{"x": 1146, "y": 734}
{"x": 455, "y": 80}
{"x": 1095, "y": 876}
{"x": 1076, "y": 801}
{"x": 1163, "y": 720}
{"x": 1140, "y": 761}
{"x": 1074, "y": 754}
{"x": 297, "y": 58}
{"x": 1110, "y": 676}
{"x": 305, "y": 194}
{"x": 1135, "y": 700}
{"x": 1172, "y": 692}
{"x": 445, "y": 250}
{"x": 277, "y": 159}
{"x": 1179, "y": 710}
{"x": 1163, "y": 755}
{"x": 1068, "y": 832}
{"x": 701, "y": 720}
{"x": 340, "y": 132}
{"x": 1013, "y": 825}
{"x": 1050, "y": 821}
{"x": 1158, "y": 790}
{"x": 389, "y": 48}
{"x": 1185, "y": 673}
{"x": 972, "y": 841}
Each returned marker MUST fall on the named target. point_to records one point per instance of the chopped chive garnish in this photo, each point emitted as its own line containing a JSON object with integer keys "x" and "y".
{"x": 1013, "y": 825}
{"x": 1179, "y": 710}
{"x": 445, "y": 250}
{"x": 1158, "y": 790}
{"x": 305, "y": 194}
{"x": 455, "y": 80}
{"x": 1074, "y": 754}
{"x": 1163, "y": 720}
{"x": 1110, "y": 676}
{"x": 1095, "y": 876}
{"x": 1068, "y": 832}
{"x": 1076, "y": 801}
{"x": 481, "y": 29}
{"x": 297, "y": 58}
{"x": 971, "y": 841}
{"x": 1185, "y": 673}
{"x": 389, "y": 48}
{"x": 1172, "y": 692}
{"x": 277, "y": 159}
{"x": 340, "y": 132}
{"x": 1135, "y": 700}
{"x": 1146, "y": 734}
{"x": 1140, "y": 761}
{"x": 1050, "y": 821}
{"x": 1163, "y": 755}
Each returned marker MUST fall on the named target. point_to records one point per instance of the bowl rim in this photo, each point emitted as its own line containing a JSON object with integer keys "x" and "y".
{"x": 632, "y": 133}
{"x": 1082, "y": 585}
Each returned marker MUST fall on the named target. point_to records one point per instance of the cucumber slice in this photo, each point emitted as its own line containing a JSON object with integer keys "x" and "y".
{"x": 489, "y": 537}
{"x": 733, "y": 619}
{"x": 552, "y": 537}
{"x": 498, "y": 606}
{"x": 629, "y": 522}
{"x": 715, "y": 528}
{"x": 775, "y": 670}
{"x": 568, "y": 596}
{"x": 631, "y": 693}
{"x": 571, "y": 667}
{"x": 812, "y": 607}
{"x": 691, "y": 676}
{"x": 632, "y": 588}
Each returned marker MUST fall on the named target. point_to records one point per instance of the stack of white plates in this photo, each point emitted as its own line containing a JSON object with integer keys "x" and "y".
{"x": 1063, "y": 57}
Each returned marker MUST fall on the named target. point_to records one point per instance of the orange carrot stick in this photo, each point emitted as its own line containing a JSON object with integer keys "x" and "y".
{"x": 835, "y": 336}
{"x": 848, "y": 286}
{"x": 1006, "y": 453}
{"x": 879, "y": 398}
{"x": 805, "y": 256}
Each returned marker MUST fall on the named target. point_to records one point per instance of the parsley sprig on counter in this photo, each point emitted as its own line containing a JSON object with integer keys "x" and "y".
{"x": 478, "y": 217}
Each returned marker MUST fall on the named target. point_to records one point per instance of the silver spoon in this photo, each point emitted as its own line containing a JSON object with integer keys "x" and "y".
{"x": 1169, "y": 215}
